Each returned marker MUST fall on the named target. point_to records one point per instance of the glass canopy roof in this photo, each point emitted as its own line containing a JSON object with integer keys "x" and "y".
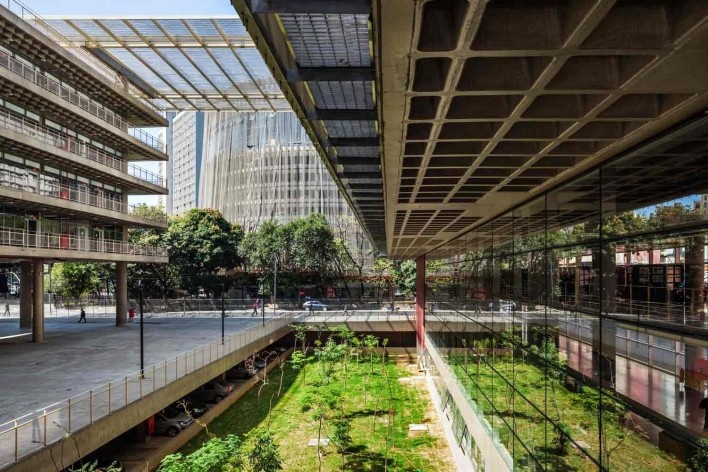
{"x": 189, "y": 63}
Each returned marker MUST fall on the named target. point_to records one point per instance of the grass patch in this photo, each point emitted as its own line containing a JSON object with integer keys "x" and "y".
{"x": 365, "y": 403}
{"x": 576, "y": 411}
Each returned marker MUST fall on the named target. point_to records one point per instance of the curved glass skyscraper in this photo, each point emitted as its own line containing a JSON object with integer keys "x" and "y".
{"x": 257, "y": 166}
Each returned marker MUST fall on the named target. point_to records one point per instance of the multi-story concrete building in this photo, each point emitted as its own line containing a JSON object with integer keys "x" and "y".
{"x": 185, "y": 139}
{"x": 69, "y": 129}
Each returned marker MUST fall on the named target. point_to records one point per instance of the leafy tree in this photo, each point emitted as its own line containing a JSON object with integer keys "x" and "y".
{"x": 353, "y": 247}
{"x": 216, "y": 455}
{"x": 200, "y": 244}
{"x": 75, "y": 279}
{"x": 699, "y": 460}
{"x": 263, "y": 456}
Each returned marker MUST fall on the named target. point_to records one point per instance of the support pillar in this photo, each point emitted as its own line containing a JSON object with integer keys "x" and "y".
{"x": 604, "y": 352}
{"x": 695, "y": 274}
{"x": 38, "y": 302}
{"x": 25, "y": 294}
{"x": 121, "y": 293}
{"x": 420, "y": 303}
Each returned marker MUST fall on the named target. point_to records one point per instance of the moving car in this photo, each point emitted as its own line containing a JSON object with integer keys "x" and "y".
{"x": 171, "y": 421}
{"x": 314, "y": 305}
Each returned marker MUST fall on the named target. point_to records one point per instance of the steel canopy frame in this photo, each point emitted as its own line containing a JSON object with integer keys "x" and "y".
{"x": 184, "y": 63}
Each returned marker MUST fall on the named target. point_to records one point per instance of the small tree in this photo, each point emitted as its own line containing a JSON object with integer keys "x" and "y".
{"x": 263, "y": 455}
{"x": 216, "y": 455}
{"x": 699, "y": 460}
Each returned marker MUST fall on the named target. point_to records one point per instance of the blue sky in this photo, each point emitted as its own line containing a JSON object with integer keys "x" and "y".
{"x": 132, "y": 8}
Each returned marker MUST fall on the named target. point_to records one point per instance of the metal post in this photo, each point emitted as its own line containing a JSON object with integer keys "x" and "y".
{"x": 142, "y": 344}
{"x": 275, "y": 280}
{"x": 263, "y": 312}
{"x": 223, "y": 313}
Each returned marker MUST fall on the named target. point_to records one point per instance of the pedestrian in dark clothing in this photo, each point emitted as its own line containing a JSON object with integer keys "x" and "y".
{"x": 83, "y": 316}
{"x": 704, "y": 405}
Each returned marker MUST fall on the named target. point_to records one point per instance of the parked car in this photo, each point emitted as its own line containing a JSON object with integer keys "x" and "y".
{"x": 211, "y": 392}
{"x": 171, "y": 421}
{"x": 240, "y": 372}
{"x": 314, "y": 305}
{"x": 194, "y": 407}
{"x": 507, "y": 306}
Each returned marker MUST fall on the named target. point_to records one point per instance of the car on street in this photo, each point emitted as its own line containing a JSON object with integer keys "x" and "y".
{"x": 211, "y": 392}
{"x": 193, "y": 407}
{"x": 171, "y": 421}
{"x": 314, "y": 305}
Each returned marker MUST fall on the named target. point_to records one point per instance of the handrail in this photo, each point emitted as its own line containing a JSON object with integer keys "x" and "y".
{"x": 69, "y": 242}
{"x": 47, "y": 187}
{"x": 74, "y": 146}
{"x": 84, "y": 103}
{"x": 24, "y": 12}
{"x": 45, "y": 426}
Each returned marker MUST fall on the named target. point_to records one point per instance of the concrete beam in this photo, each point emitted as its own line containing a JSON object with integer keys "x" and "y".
{"x": 15, "y": 252}
{"x": 331, "y": 74}
{"x": 348, "y": 114}
{"x": 337, "y": 142}
{"x": 341, "y": 7}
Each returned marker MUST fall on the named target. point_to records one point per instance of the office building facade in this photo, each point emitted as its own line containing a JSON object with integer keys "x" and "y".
{"x": 69, "y": 129}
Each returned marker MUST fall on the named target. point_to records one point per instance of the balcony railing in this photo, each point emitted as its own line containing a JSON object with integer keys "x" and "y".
{"x": 24, "y": 12}
{"x": 74, "y": 146}
{"x": 37, "y": 430}
{"x": 55, "y": 87}
{"x": 29, "y": 181}
{"x": 69, "y": 242}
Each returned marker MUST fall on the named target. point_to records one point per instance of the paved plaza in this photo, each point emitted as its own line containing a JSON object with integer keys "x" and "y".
{"x": 76, "y": 357}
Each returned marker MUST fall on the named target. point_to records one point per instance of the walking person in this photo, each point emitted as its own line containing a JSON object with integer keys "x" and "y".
{"x": 83, "y": 316}
{"x": 7, "y": 309}
{"x": 704, "y": 406}
{"x": 256, "y": 306}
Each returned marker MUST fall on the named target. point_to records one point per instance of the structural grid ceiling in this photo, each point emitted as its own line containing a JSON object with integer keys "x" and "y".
{"x": 323, "y": 51}
{"x": 486, "y": 104}
{"x": 191, "y": 63}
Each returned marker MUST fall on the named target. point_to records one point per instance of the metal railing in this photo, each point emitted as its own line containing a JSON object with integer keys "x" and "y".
{"x": 27, "y": 181}
{"x": 69, "y": 242}
{"x": 37, "y": 77}
{"x": 37, "y": 430}
{"x": 28, "y": 15}
{"x": 70, "y": 144}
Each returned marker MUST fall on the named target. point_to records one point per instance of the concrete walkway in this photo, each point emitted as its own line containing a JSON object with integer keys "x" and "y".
{"x": 77, "y": 357}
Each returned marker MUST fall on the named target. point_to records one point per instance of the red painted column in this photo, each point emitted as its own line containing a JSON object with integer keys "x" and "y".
{"x": 420, "y": 303}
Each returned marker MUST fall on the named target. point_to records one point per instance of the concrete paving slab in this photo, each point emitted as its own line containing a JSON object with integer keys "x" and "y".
{"x": 77, "y": 357}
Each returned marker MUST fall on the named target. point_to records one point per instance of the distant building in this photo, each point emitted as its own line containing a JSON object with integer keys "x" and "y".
{"x": 184, "y": 138}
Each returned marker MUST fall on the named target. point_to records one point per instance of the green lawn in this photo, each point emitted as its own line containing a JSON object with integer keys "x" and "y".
{"x": 633, "y": 449}
{"x": 369, "y": 414}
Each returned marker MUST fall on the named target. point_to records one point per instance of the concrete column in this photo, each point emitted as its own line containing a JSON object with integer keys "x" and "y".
{"x": 121, "y": 293}
{"x": 604, "y": 352}
{"x": 695, "y": 273}
{"x": 122, "y": 279}
{"x": 25, "y": 294}
{"x": 38, "y": 302}
{"x": 420, "y": 303}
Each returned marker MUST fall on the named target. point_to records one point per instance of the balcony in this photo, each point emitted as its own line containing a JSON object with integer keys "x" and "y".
{"x": 27, "y": 180}
{"x": 51, "y": 245}
{"x": 67, "y": 143}
{"x": 37, "y": 77}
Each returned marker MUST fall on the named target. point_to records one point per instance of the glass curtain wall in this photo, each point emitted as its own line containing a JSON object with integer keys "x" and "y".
{"x": 575, "y": 324}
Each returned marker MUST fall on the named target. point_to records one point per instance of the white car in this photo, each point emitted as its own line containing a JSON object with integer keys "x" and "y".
{"x": 314, "y": 305}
